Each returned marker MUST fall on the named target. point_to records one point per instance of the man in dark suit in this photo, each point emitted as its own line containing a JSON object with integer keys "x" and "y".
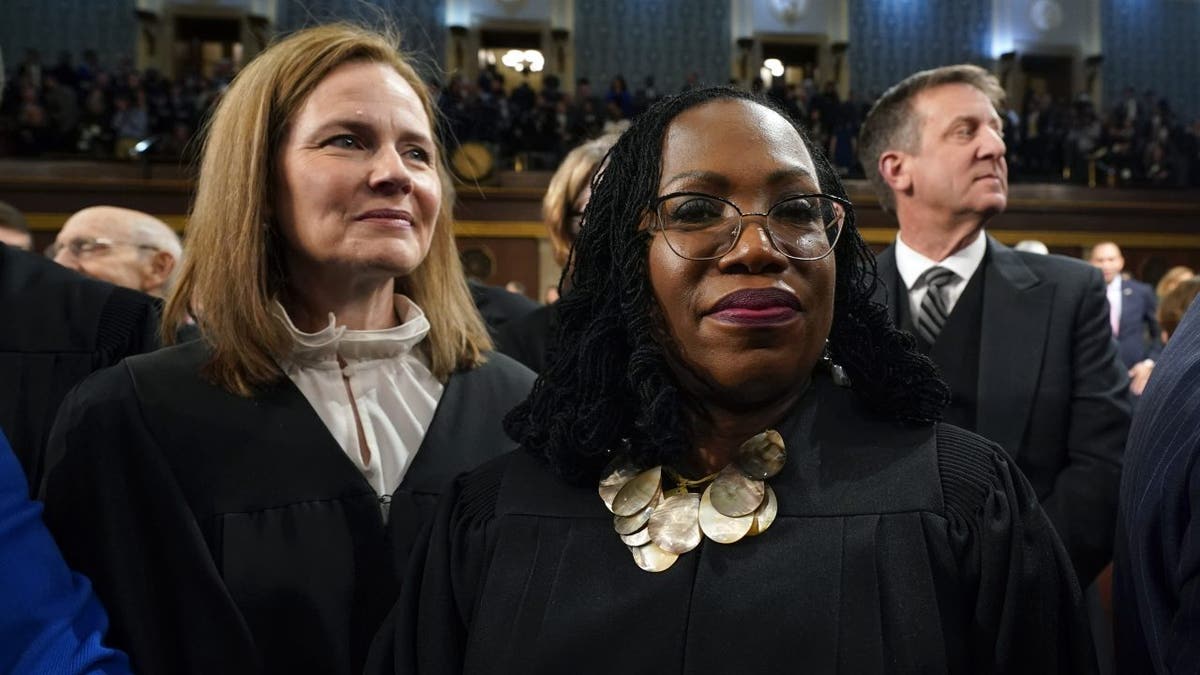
{"x": 1156, "y": 577}
{"x": 58, "y": 327}
{"x": 1022, "y": 339}
{"x": 1132, "y": 310}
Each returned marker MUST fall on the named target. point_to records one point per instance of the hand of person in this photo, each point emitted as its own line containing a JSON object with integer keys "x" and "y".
{"x": 1139, "y": 375}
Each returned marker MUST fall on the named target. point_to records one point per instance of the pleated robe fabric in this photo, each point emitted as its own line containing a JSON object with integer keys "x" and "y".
{"x": 895, "y": 551}
{"x": 232, "y": 535}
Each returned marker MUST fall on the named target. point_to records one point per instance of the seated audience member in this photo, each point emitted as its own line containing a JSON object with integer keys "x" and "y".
{"x": 121, "y": 246}
{"x": 247, "y": 502}
{"x": 1171, "y": 279}
{"x": 1175, "y": 305}
{"x": 528, "y": 338}
{"x": 1131, "y": 307}
{"x": 14, "y": 231}
{"x": 1156, "y": 577}
{"x": 50, "y": 621}
{"x": 58, "y": 327}
{"x": 772, "y": 511}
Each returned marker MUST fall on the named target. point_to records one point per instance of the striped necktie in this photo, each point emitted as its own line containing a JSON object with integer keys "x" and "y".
{"x": 934, "y": 307}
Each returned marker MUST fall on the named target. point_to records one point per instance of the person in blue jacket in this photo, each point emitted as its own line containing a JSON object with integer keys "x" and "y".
{"x": 50, "y": 621}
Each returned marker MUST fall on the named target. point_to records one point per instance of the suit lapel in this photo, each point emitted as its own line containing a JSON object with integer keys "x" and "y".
{"x": 1016, "y": 316}
{"x": 1131, "y": 310}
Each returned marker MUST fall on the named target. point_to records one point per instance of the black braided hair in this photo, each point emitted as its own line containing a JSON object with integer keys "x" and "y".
{"x": 608, "y": 378}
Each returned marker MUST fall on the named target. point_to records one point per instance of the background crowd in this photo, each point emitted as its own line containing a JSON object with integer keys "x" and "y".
{"x": 84, "y": 107}
{"x": 97, "y": 110}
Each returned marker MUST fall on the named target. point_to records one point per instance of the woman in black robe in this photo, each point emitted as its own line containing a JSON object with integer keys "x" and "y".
{"x": 248, "y": 502}
{"x": 703, "y": 301}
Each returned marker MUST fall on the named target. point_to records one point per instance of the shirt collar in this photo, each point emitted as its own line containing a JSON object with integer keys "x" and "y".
{"x": 911, "y": 265}
{"x": 333, "y": 340}
{"x": 1114, "y": 286}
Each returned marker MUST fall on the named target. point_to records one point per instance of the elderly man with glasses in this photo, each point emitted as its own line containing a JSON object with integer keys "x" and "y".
{"x": 121, "y": 246}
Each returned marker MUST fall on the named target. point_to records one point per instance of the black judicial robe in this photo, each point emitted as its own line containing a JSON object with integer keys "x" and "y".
{"x": 232, "y": 535}
{"x": 895, "y": 551}
{"x": 57, "y": 327}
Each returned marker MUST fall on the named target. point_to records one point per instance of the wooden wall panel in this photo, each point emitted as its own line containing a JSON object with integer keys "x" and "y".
{"x": 1156, "y": 228}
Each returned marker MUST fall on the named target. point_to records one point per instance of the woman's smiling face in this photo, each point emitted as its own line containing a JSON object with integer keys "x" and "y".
{"x": 749, "y": 326}
{"x": 358, "y": 186}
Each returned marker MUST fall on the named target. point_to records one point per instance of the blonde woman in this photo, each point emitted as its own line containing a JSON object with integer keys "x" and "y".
{"x": 247, "y": 502}
{"x": 1174, "y": 276}
{"x": 527, "y": 338}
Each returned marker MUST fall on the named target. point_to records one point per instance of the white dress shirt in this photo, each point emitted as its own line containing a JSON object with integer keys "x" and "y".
{"x": 912, "y": 267}
{"x": 388, "y": 375}
{"x": 1113, "y": 291}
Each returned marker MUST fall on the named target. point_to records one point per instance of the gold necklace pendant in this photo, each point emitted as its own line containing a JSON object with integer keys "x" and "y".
{"x": 658, "y": 525}
{"x": 765, "y": 515}
{"x": 762, "y": 456}
{"x": 675, "y": 524}
{"x": 720, "y": 527}
{"x": 735, "y": 494}
{"x": 652, "y": 558}
{"x": 618, "y": 472}
{"x": 631, "y": 524}
{"x": 637, "y": 494}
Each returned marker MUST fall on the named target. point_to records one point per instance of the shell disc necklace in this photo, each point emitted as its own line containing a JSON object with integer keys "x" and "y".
{"x": 658, "y": 523}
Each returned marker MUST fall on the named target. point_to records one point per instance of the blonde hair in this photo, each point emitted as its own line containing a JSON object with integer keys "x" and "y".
{"x": 892, "y": 123}
{"x": 575, "y": 172}
{"x": 1176, "y": 303}
{"x": 1171, "y": 279}
{"x": 234, "y": 269}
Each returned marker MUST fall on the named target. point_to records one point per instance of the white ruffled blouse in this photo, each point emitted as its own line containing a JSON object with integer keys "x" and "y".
{"x": 390, "y": 384}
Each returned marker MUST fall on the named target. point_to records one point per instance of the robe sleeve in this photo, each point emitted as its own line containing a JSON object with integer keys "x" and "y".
{"x": 1026, "y": 607}
{"x": 427, "y": 629}
{"x": 117, "y": 512}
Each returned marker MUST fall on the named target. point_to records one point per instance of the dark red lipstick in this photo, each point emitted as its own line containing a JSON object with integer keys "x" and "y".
{"x": 756, "y": 307}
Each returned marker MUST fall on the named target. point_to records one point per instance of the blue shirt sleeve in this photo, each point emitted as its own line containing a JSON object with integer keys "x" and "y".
{"x": 50, "y": 620}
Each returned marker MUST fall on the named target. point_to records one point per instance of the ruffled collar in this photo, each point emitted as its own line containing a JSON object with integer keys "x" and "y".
{"x": 327, "y": 344}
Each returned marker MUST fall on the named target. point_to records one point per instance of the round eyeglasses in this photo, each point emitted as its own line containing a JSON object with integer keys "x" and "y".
{"x": 698, "y": 226}
{"x": 82, "y": 247}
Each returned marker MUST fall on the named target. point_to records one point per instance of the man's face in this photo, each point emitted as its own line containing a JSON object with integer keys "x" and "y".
{"x": 108, "y": 252}
{"x": 1108, "y": 258}
{"x": 959, "y": 167}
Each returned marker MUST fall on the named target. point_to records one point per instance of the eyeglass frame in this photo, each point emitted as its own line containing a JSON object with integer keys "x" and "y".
{"x": 75, "y": 246}
{"x": 656, "y": 206}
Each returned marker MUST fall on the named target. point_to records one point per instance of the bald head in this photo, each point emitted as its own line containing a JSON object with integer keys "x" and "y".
{"x": 121, "y": 246}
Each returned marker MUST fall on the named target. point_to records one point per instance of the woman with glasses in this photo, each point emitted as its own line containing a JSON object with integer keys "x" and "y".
{"x": 248, "y": 502}
{"x": 734, "y": 464}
